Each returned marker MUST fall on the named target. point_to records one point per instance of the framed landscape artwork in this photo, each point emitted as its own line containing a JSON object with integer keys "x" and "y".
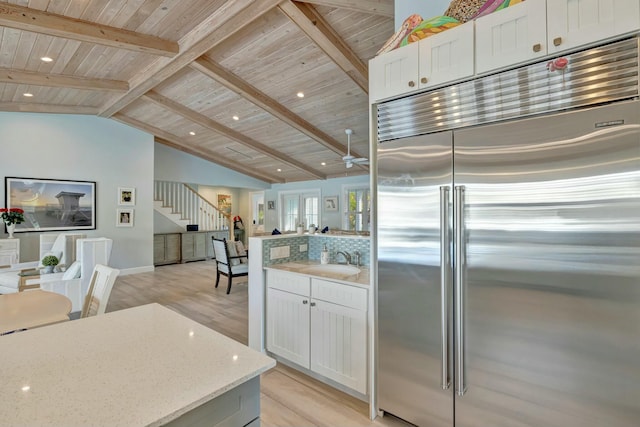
{"x": 52, "y": 204}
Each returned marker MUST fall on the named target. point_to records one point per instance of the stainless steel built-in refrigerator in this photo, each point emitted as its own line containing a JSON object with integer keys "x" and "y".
{"x": 509, "y": 248}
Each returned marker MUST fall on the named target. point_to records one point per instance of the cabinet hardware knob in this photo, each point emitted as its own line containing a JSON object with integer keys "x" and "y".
{"x": 557, "y": 41}
{"x": 313, "y": 304}
{"x": 304, "y": 301}
{"x": 537, "y": 47}
{"x": 412, "y": 83}
{"x": 424, "y": 80}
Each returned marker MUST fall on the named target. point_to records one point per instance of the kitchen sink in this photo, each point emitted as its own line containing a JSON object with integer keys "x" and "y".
{"x": 332, "y": 268}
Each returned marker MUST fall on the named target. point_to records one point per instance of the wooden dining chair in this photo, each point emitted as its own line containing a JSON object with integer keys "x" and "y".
{"x": 102, "y": 281}
{"x": 228, "y": 262}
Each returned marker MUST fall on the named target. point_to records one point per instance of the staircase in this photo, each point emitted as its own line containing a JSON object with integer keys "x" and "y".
{"x": 183, "y": 205}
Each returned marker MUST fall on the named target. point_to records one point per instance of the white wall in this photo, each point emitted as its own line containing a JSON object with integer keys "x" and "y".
{"x": 329, "y": 187}
{"x": 424, "y": 8}
{"x": 177, "y": 166}
{"x": 86, "y": 148}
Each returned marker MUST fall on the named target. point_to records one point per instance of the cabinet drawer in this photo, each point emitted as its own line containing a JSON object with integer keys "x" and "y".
{"x": 338, "y": 293}
{"x": 9, "y": 245}
{"x": 288, "y": 282}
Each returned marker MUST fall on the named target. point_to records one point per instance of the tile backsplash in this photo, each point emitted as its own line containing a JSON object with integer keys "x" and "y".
{"x": 315, "y": 244}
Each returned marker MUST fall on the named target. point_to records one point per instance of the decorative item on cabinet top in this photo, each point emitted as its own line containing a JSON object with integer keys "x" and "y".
{"x": 414, "y": 28}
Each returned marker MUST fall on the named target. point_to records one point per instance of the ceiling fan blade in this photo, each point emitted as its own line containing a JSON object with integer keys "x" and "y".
{"x": 360, "y": 160}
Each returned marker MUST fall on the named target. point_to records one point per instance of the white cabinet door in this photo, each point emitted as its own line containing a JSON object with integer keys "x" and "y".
{"x": 339, "y": 344}
{"x": 573, "y": 23}
{"x": 393, "y": 73}
{"x": 9, "y": 251}
{"x": 447, "y": 56}
{"x": 288, "y": 326}
{"x": 511, "y": 36}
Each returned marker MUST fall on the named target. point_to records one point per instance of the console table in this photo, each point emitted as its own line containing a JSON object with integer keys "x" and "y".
{"x": 9, "y": 251}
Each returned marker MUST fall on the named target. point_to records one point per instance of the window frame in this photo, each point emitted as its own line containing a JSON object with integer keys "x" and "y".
{"x": 345, "y": 212}
{"x": 302, "y": 196}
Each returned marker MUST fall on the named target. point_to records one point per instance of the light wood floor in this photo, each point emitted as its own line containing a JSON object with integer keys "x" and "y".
{"x": 288, "y": 397}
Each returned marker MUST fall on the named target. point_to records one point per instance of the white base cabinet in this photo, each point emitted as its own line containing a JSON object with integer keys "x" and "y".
{"x": 288, "y": 322}
{"x": 9, "y": 251}
{"x": 320, "y": 325}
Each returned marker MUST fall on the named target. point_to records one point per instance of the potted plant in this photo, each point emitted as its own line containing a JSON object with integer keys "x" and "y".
{"x": 49, "y": 262}
{"x": 11, "y": 217}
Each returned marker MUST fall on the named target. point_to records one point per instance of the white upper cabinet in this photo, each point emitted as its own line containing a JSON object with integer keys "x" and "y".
{"x": 519, "y": 34}
{"x": 573, "y": 23}
{"x": 394, "y": 73}
{"x": 511, "y": 36}
{"x": 447, "y": 56}
{"x": 441, "y": 58}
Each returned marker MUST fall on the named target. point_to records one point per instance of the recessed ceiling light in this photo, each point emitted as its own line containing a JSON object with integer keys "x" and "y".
{"x": 300, "y": 94}
{"x": 279, "y": 170}
{"x": 236, "y": 118}
{"x": 46, "y": 59}
{"x": 28, "y": 95}
{"x": 323, "y": 164}
{"x": 192, "y": 133}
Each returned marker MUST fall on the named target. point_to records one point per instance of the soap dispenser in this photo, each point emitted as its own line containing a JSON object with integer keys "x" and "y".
{"x": 324, "y": 255}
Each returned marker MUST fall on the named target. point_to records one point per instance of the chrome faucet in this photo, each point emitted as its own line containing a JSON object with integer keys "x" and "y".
{"x": 346, "y": 256}
{"x": 358, "y": 256}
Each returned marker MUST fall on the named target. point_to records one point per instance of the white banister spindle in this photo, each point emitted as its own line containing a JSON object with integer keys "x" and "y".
{"x": 190, "y": 205}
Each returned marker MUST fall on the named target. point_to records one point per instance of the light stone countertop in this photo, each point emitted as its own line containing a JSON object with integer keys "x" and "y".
{"x": 143, "y": 366}
{"x": 360, "y": 279}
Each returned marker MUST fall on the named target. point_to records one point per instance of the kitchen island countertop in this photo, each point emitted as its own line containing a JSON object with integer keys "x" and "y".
{"x": 143, "y": 366}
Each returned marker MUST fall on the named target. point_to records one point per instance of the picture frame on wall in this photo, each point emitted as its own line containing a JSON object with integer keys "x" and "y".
{"x": 271, "y": 205}
{"x": 331, "y": 204}
{"x": 52, "y": 204}
{"x": 124, "y": 218}
{"x": 126, "y": 196}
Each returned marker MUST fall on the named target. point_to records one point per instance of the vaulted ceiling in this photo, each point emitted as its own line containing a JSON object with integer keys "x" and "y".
{"x": 217, "y": 79}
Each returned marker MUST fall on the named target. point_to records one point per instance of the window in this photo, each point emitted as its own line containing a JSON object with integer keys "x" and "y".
{"x": 299, "y": 208}
{"x": 257, "y": 211}
{"x": 357, "y": 209}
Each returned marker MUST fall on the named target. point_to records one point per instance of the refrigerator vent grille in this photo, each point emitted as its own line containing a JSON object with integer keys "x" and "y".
{"x": 595, "y": 76}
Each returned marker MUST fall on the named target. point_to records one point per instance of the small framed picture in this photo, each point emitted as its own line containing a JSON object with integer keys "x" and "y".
{"x": 125, "y": 218}
{"x": 126, "y": 196}
{"x": 271, "y": 205}
{"x": 331, "y": 203}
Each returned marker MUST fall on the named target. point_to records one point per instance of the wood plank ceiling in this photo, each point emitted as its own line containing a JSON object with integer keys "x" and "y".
{"x": 182, "y": 69}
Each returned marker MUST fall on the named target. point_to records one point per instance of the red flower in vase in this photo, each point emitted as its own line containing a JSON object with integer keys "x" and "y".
{"x": 12, "y": 215}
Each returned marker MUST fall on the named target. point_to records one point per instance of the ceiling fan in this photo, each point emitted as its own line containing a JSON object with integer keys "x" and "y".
{"x": 350, "y": 160}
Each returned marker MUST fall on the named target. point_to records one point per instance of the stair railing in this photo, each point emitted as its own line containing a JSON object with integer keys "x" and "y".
{"x": 192, "y": 206}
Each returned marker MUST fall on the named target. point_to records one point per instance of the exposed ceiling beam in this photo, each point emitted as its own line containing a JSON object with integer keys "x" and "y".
{"x": 28, "y": 107}
{"x": 373, "y": 7}
{"x": 38, "y": 21}
{"x": 174, "y": 141}
{"x": 307, "y": 18}
{"x": 59, "y": 80}
{"x": 217, "y": 27}
{"x": 232, "y": 134}
{"x": 268, "y": 104}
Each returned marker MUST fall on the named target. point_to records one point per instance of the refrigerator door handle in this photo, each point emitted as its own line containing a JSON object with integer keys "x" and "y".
{"x": 459, "y": 289}
{"x": 445, "y": 266}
